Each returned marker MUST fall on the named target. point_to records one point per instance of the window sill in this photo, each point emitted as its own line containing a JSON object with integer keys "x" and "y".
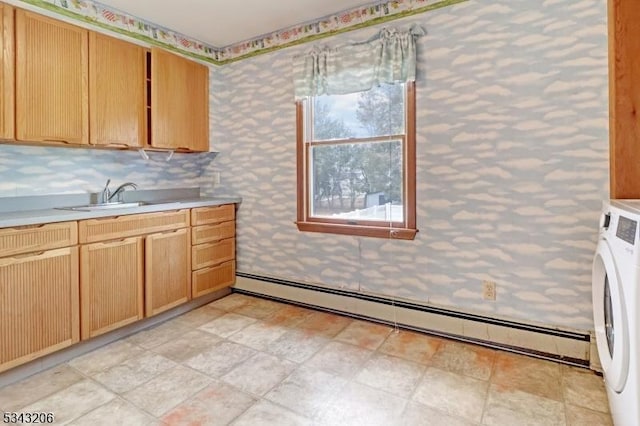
{"x": 358, "y": 230}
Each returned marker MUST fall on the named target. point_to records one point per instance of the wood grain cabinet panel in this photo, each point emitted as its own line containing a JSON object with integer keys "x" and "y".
{"x": 25, "y": 239}
{"x": 108, "y": 228}
{"x": 168, "y": 272}
{"x": 7, "y": 72}
{"x": 204, "y": 255}
{"x": 211, "y": 215}
{"x": 215, "y": 278}
{"x": 210, "y": 233}
{"x": 38, "y": 315}
{"x": 117, "y": 87}
{"x": 179, "y": 102}
{"x": 112, "y": 279}
{"x": 51, "y": 80}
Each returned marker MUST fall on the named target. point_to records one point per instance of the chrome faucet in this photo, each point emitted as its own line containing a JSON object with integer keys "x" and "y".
{"x": 105, "y": 195}
{"x": 119, "y": 190}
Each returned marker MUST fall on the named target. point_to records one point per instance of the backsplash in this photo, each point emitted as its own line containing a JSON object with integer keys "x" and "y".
{"x": 30, "y": 170}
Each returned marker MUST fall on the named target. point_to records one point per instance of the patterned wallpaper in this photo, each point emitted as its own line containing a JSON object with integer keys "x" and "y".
{"x": 30, "y": 170}
{"x": 512, "y": 164}
{"x": 114, "y": 20}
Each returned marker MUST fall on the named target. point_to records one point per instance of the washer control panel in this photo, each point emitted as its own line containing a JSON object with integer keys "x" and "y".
{"x": 627, "y": 229}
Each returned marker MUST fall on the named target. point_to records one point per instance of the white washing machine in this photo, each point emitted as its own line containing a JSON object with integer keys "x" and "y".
{"x": 616, "y": 307}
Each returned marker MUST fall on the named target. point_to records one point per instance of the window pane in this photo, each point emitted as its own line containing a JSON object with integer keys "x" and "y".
{"x": 360, "y": 181}
{"x": 377, "y": 112}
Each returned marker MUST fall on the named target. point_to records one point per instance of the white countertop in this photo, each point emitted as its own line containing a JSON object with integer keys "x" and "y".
{"x": 51, "y": 215}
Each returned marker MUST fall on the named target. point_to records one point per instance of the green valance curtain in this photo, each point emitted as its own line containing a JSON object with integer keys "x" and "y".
{"x": 388, "y": 57}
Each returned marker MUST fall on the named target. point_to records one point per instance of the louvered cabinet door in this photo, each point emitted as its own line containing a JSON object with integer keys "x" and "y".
{"x": 117, "y": 86}
{"x": 52, "y": 85}
{"x": 168, "y": 272}
{"x": 7, "y": 72}
{"x": 39, "y": 305}
{"x": 112, "y": 286}
{"x": 179, "y": 102}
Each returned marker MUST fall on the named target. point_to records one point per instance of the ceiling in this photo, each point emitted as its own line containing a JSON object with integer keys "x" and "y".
{"x": 221, "y": 23}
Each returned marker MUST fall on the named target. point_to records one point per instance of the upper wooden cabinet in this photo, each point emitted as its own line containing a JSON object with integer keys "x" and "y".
{"x": 117, "y": 86}
{"x": 624, "y": 98}
{"x": 179, "y": 102}
{"x": 7, "y": 72}
{"x": 51, "y": 80}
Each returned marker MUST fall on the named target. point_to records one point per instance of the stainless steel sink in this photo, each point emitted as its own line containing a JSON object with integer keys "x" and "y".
{"x": 105, "y": 206}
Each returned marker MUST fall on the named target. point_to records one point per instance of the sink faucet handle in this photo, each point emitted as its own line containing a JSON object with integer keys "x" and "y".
{"x": 106, "y": 193}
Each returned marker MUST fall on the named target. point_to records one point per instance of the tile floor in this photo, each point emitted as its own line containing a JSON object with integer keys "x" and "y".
{"x": 247, "y": 361}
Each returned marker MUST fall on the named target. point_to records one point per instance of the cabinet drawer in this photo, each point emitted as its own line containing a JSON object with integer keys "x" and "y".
{"x": 215, "y": 278}
{"x": 26, "y": 239}
{"x": 204, "y": 255}
{"x": 209, "y": 215}
{"x": 109, "y": 228}
{"x": 209, "y": 233}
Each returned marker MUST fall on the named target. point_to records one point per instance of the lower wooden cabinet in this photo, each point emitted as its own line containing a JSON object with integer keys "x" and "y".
{"x": 168, "y": 272}
{"x": 39, "y": 310}
{"x": 215, "y": 278}
{"x": 112, "y": 277}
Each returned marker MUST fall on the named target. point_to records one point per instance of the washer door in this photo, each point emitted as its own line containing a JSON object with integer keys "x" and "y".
{"x": 610, "y": 318}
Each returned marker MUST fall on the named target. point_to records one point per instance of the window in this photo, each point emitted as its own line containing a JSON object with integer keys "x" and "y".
{"x": 356, "y": 162}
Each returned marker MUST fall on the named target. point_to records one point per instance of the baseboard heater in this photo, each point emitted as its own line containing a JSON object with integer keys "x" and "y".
{"x": 568, "y": 347}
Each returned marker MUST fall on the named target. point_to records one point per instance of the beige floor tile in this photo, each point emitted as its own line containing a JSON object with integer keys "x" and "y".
{"x": 227, "y": 324}
{"x": 324, "y": 324}
{"x": 72, "y": 402}
{"x": 220, "y": 359}
{"x": 297, "y": 346}
{"x": 358, "y": 404}
{"x": 199, "y": 316}
{"x": 340, "y": 358}
{"x": 217, "y": 404}
{"x": 466, "y": 359}
{"x": 514, "y": 407}
{"x": 133, "y": 372}
{"x": 157, "y": 335}
{"x": 288, "y": 316}
{"x": 578, "y": 416}
{"x": 365, "y": 334}
{"x": 38, "y": 386}
{"x": 187, "y": 346}
{"x": 105, "y": 357}
{"x": 417, "y": 414}
{"x": 259, "y": 374}
{"x": 411, "y": 346}
{"x": 266, "y": 413}
{"x": 585, "y": 389}
{"x": 258, "y": 335}
{"x": 231, "y": 302}
{"x": 531, "y": 375}
{"x": 168, "y": 389}
{"x": 259, "y": 308}
{"x": 306, "y": 391}
{"x": 117, "y": 412}
{"x": 452, "y": 393}
{"x": 391, "y": 374}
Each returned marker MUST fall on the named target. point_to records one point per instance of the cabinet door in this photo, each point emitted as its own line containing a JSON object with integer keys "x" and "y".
{"x": 117, "y": 86}
{"x": 112, "y": 286}
{"x": 168, "y": 272}
{"x": 7, "y": 73}
{"x": 179, "y": 102}
{"x": 39, "y": 305}
{"x": 51, "y": 80}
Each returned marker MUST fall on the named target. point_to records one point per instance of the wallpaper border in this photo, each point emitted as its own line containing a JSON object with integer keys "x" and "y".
{"x": 111, "y": 19}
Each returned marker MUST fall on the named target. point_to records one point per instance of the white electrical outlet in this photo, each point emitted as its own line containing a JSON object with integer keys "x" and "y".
{"x": 216, "y": 178}
{"x": 488, "y": 290}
